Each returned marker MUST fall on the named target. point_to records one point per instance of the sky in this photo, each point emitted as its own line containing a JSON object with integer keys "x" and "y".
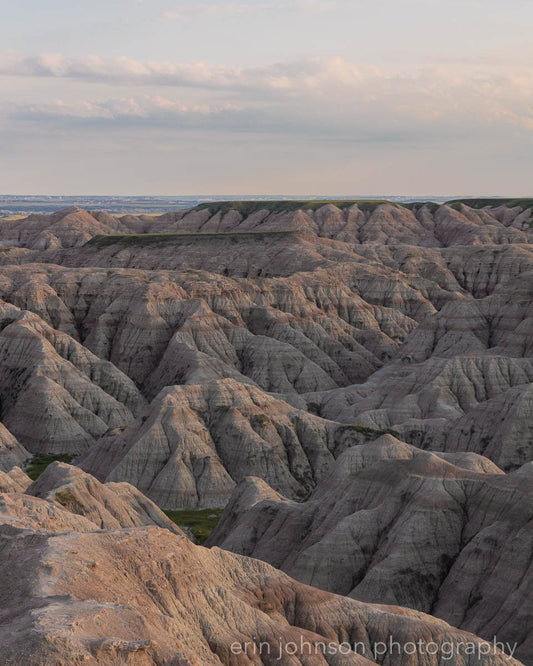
{"x": 310, "y": 97}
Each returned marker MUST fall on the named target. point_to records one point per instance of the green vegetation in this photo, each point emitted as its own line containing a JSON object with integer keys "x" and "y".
{"x": 481, "y": 203}
{"x": 65, "y": 497}
{"x": 157, "y": 239}
{"x": 259, "y": 420}
{"x": 416, "y": 205}
{"x": 372, "y": 433}
{"x": 39, "y": 463}
{"x": 68, "y": 500}
{"x": 246, "y": 208}
{"x": 457, "y": 205}
{"x": 201, "y": 522}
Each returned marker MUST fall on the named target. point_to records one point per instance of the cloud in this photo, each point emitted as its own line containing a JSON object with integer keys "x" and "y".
{"x": 146, "y": 109}
{"x": 322, "y": 96}
{"x": 188, "y": 10}
{"x": 308, "y": 73}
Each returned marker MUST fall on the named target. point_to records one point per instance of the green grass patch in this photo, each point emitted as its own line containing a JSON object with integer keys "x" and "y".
{"x": 482, "y": 203}
{"x": 433, "y": 206}
{"x": 39, "y": 463}
{"x": 372, "y": 433}
{"x": 201, "y": 522}
{"x": 164, "y": 238}
{"x": 246, "y": 208}
{"x": 69, "y": 501}
{"x": 259, "y": 420}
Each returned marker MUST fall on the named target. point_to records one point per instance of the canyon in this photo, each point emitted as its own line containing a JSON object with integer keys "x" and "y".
{"x": 350, "y": 381}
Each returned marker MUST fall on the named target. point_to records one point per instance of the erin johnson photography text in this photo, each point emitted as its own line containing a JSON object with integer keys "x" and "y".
{"x": 445, "y": 650}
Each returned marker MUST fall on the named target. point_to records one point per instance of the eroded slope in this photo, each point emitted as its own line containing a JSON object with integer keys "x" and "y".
{"x": 447, "y": 534}
{"x": 72, "y": 594}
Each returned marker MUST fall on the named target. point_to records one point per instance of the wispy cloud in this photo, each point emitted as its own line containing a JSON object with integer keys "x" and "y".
{"x": 145, "y": 109}
{"x": 308, "y": 73}
{"x": 227, "y": 103}
{"x": 339, "y": 89}
{"x": 315, "y": 104}
{"x": 187, "y": 10}
{"x": 113, "y": 70}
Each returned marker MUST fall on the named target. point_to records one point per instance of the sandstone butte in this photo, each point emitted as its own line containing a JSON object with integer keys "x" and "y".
{"x": 352, "y": 382}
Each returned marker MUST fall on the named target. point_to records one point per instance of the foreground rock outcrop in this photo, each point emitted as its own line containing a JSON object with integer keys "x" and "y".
{"x": 72, "y": 594}
{"x": 109, "y": 506}
{"x": 14, "y": 481}
{"x": 448, "y": 534}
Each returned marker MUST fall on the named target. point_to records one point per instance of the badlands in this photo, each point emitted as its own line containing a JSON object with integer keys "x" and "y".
{"x": 352, "y": 382}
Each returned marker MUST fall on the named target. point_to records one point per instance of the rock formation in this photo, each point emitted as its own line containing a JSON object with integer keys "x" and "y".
{"x": 11, "y": 452}
{"x": 55, "y": 395}
{"x": 414, "y": 319}
{"x": 187, "y": 352}
{"x": 367, "y": 307}
{"x": 194, "y": 443}
{"x": 109, "y": 506}
{"x": 448, "y": 534}
{"x": 71, "y": 593}
{"x": 14, "y": 481}
{"x": 369, "y": 222}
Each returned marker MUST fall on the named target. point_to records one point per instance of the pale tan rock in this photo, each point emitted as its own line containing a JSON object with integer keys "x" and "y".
{"x": 413, "y": 318}
{"x": 14, "y": 481}
{"x": 443, "y": 401}
{"x": 146, "y": 596}
{"x": 447, "y": 534}
{"x": 195, "y": 442}
{"x": 29, "y": 513}
{"x": 145, "y": 323}
{"x": 57, "y": 397}
{"x": 11, "y": 452}
{"x": 110, "y": 506}
{"x": 382, "y": 283}
{"x": 70, "y": 227}
{"x": 383, "y": 223}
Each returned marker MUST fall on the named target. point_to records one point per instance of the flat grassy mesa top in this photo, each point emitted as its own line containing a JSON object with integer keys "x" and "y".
{"x": 103, "y": 240}
{"x": 248, "y": 207}
{"x": 494, "y": 203}
{"x": 367, "y": 205}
